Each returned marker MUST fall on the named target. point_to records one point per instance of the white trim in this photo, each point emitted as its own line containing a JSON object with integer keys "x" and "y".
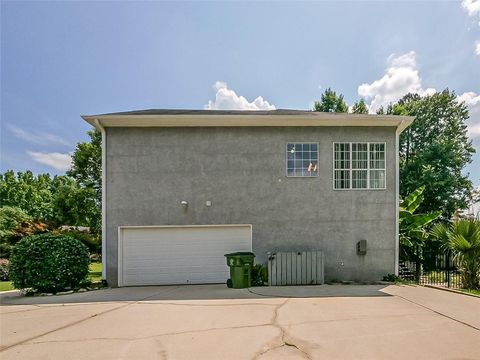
{"x": 120, "y": 256}
{"x": 99, "y": 126}
{"x": 122, "y": 227}
{"x": 286, "y": 159}
{"x": 350, "y": 169}
{"x": 248, "y": 118}
{"x": 397, "y": 200}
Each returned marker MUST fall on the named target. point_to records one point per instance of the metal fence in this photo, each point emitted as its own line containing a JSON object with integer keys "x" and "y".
{"x": 436, "y": 268}
{"x": 295, "y": 268}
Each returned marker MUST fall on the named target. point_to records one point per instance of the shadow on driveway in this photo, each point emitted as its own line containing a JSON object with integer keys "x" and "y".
{"x": 196, "y": 292}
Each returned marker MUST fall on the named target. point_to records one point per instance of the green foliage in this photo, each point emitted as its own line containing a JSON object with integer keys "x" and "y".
{"x": 462, "y": 237}
{"x": 95, "y": 272}
{"x": 392, "y": 278}
{"x": 87, "y": 162}
{"x": 91, "y": 241}
{"x": 434, "y": 150}
{"x": 87, "y": 172}
{"x": 12, "y": 221}
{"x": 360, "y": 107}
{"x": 436, "y": 277}
{"x": 49, "y": 263}
{"x": 4, "y": 270}
{"x": 75, "y": 205}
{"x": 56, "y": 201}
{"x": 15, "y": 224}
{"x": 28, "y": 192}
{"x": 413, "y": 226}
{"x": 259, "y": 275}
{"x": 330, "y": 102}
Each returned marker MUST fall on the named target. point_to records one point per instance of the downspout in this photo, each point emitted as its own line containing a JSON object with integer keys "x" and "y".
{"x": 397, "y": 197}
{"x": 400, "y": 127}
{"x": 99, "y": 126}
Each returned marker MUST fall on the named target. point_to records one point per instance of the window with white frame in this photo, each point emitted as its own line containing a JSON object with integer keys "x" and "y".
{"x": 302, "y": 159}
{"x": 359, "y": 165}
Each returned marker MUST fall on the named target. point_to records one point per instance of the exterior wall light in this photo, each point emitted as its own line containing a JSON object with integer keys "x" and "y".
{"x": 184, "y": 203}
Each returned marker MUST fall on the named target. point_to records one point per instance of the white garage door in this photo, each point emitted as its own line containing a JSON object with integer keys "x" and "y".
{"x": 178, "y": 254}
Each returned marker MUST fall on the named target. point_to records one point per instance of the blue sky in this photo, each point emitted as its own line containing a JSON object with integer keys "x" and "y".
{"x": 60, "y": 60}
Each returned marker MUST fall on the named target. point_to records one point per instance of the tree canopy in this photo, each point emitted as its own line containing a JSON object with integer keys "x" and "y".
{"x": 330, "y": 102}
{"x": 360, "y": 107}
{"x": 72, "y": 199}
{"x": 87, "y": 171}
{"x": 434, "y": 151}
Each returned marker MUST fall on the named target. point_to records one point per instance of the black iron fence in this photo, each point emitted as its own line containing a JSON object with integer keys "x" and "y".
{"x": 436, "y": 268}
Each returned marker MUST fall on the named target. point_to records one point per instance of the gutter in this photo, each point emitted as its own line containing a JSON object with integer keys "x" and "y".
{"x": 98, "y": 125}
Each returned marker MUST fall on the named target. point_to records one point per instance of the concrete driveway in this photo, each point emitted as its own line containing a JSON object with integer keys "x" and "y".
{"x": 213, "y": 322}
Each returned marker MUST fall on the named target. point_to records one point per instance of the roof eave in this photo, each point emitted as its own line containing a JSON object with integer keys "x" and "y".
{"x": 249, "y": 119}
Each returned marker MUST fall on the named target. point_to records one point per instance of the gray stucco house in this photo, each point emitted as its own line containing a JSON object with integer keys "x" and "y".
{"x": 183, "y": 187}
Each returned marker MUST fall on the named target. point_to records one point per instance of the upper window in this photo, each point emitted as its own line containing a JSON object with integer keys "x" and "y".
{"x": 359, "y": 166}
{"x": 302, "y": 159}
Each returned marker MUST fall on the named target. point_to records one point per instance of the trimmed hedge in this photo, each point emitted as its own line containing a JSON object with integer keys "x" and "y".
{"x": 49, "y": 263}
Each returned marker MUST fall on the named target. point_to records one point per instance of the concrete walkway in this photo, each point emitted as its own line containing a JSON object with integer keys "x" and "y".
{"x": 213, "y": 322}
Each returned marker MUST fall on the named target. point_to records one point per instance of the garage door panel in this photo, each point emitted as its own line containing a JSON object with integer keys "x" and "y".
{"x": 179, "y": 255}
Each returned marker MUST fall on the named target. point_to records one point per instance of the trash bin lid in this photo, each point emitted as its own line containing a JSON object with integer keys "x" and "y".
{"x": 241, "y": 253}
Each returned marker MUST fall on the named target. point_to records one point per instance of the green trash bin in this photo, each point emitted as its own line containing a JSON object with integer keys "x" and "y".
{"x": 241, "y": 264}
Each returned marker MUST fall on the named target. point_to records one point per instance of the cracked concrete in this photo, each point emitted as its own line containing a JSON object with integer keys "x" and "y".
{"x": 191, "y": 323}
{"x": 274, "y": 348}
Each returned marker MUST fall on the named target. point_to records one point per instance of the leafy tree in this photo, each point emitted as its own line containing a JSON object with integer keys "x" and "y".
{"x": 330, "y": 102}
{"x": 87, "y": 171}
{"x": 72, "y": 199}
{"x": 360, "y": 107}
{"x": 463, "y": 239}
{"x": 28, "y": 192}
{"x": 74, "y": 205}
{"x": 15, "y": 224}
{"x": 434, "y": 150}
{"x": 55, "y": 201}
{"x": 413, "y": 227}
{"x": 87, "y": 162}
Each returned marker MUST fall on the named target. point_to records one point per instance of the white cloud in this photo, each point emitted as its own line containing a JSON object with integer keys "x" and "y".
{"x": 55, "y": 160}
{"x": 473, "y": 9}
{"x": 36, "y": 137}
{"x": 472, "y": 6}
{"x": 472, "y": 100}
{"x": 401, "y": 77}
{"x": 227, "y": 99}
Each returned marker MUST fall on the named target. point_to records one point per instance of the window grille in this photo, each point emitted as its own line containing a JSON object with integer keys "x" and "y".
{"x": 302, "y": 159}
{"x": 359, "y": 165}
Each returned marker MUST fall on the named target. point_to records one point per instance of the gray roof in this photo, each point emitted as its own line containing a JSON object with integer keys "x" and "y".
{"x": 211, "y": 112}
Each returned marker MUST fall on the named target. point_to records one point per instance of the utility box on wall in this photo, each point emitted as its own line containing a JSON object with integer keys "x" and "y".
{"x": 362, "y": 247}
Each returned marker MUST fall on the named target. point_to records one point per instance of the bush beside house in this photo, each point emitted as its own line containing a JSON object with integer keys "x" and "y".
{"x": 49, "y": 263}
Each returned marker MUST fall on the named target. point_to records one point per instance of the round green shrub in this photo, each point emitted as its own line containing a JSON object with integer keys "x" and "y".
{"x": 49, "y": 263}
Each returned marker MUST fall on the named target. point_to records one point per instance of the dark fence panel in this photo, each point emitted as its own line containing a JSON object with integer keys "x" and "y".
{"x": 436, "y": 268}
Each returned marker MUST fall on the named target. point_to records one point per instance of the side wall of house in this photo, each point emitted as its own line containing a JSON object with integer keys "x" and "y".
{"x": 242, "y": 172}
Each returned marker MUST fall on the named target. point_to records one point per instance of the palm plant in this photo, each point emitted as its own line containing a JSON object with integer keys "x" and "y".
{"x": 462, "y": 237}
{"x": 413, "y": 228}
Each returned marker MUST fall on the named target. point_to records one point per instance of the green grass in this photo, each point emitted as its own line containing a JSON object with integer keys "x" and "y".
{"x": 471, "y": 291}
{"x": 94, "y": 275}
{"x": 6, "y": 285}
